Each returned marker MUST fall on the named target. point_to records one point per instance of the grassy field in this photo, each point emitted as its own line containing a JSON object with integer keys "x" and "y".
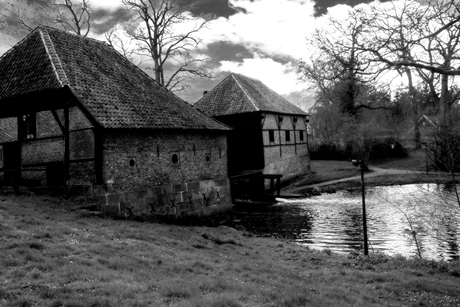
{"x": 54, "y": 255}
{"x": 328, "y": 170}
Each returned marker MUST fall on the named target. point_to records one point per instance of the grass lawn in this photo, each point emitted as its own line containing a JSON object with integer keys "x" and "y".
{"x": 52, "y": 255}
{"x": 327, "y": 170}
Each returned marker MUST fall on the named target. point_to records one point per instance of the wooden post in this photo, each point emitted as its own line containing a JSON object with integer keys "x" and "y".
{"x": 272, "y": 188}
{"x": 98, "y": 154}
{"x": 66, "y": 145}
{"x": 366, "y": 248}
{"x": 278, "y": 186}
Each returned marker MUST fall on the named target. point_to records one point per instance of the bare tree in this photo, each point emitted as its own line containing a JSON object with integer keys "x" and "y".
{"x": 336, "y": 63}
{"x": 423, "y": 36}
{"x": 167, "y": 35}
{"x": 71, "y": 16}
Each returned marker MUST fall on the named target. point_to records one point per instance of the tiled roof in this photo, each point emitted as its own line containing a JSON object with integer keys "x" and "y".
{"x": 240, "y": 94}
{"x": 117, "y": 93}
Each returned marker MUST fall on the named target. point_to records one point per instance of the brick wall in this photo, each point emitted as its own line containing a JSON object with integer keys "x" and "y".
{"x": 8, "y": 129}
{"x": 42, "y": 151}
{"x": 47, "y": 125}
{"x": 140, "y": 160}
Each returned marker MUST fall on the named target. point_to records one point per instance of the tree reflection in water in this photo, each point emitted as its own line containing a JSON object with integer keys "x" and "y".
{"x": 334, "y": 221}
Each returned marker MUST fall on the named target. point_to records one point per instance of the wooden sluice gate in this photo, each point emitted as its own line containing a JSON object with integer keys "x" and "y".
{"x": 252, "y": 190}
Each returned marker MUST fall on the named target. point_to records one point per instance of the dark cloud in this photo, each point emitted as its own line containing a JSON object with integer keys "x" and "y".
{"x": 225, "y": 51}
{"x": 321, "y": 6}
{"x": 103, "y": 20}
{"x": 39, "y": 2}
{"x": 218, "y": 8}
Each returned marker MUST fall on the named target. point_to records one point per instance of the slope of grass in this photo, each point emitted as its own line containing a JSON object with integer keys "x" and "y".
{"x": 52, "y": 255}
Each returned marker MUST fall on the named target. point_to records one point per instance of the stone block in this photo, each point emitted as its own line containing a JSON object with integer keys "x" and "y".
{"x": 184, "y": 206}
{"x": 179, "y": 187}
{"x": 98, "y": 189}
{"x": 206, "y": 184}
{"x": 193, "y": 186}
{"x": 197, "y": 205}
{"x": 221, "y": 182}
{"x": 158, "y": 190}
{"x": 113, "y": 198}
{"x": 101, "y": 200}
{"x": 187, "y": 197}
{"x": 110, "y": 210}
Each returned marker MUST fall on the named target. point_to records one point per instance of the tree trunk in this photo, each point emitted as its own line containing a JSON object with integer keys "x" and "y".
{"x": 415, "y": 110}
{"x": 444, "y": 106}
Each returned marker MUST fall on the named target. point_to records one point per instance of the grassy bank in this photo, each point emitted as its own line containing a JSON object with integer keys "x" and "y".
{"x": 52, "y": 255}
{"x": 414, "y": 167}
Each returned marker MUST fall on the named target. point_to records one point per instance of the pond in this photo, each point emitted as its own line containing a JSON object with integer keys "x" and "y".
{"x": 401, "y": 220}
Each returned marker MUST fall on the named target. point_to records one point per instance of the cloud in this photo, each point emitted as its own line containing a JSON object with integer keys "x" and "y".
{"x": 270, "y": 27}
{"x": 105, "y": 19}
{"x": 282, "y": 78}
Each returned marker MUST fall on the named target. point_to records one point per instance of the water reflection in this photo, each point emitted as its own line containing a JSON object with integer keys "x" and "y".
{"x": 394, "y": 213}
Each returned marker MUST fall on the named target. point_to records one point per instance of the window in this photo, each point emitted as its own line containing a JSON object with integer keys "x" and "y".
{"x": 271, "y": 135}
{"x": 175, "y": 158}
{"x": 301, "y": 135}
{"x": 207, "y": 158}
{"x": 288, "y": 136}
{"x": 29, "y": 126}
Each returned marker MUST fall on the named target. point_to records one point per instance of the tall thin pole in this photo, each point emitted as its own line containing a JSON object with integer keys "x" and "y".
{"x": 366, "y": 248}
{"x": 426, "y": 157}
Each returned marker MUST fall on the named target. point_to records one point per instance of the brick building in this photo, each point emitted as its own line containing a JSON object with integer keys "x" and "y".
{"x": 75, "y": 112}
{"x": 269, "y": 133}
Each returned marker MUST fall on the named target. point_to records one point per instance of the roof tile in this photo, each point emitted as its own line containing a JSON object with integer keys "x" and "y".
{"x": 117, "y": 93}
{"x": 240, "y": 94}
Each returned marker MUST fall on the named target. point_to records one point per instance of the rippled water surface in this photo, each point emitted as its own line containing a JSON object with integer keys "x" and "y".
{"x": 334, "y": 221}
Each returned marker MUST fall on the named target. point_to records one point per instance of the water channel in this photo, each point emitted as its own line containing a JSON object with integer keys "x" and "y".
{"x": 394, "y": 213}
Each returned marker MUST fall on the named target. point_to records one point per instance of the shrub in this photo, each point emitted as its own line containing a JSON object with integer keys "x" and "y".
{"x": 387, "y": 149}
{"x": 445, "y": 149}
{"x": 329, "y": 152}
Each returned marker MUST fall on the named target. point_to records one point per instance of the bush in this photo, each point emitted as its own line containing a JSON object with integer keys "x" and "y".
{"x": 329, "y": 152}
{"x": 387, "y": 149}
{"x": 445, "y": 149}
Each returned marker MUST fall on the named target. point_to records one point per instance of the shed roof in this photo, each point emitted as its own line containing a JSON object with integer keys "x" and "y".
{"x": 117, "y": 93}
{"x": 240, "y": 94}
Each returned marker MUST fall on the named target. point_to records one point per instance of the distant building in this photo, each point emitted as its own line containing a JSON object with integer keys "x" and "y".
{"x": 75, "y": 112}
{"x": 270, "y": 133}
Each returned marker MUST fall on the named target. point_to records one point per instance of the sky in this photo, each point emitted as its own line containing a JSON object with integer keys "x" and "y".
{"x": 262, "y": 39}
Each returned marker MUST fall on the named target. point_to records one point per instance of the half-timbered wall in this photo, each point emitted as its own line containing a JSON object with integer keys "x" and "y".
{"x": 41, "y": 147}
{"x": 285, "y": 144}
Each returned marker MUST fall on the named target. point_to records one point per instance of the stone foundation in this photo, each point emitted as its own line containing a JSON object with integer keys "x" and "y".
{"x": 196, "y": 199}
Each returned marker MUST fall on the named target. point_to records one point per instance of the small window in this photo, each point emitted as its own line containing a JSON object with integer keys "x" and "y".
{"x": 271, "y": 135}
{"x": 207, "y": 158}
{"x": 288, "y": 136}
{"x": 29, "y": 126}
{"x": 175, "y": 158}
{"x": 301, "y": 135}
{"x": 132, "y": 162}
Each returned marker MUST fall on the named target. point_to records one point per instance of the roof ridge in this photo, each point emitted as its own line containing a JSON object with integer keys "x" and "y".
{"x": 53, "y": 56}
{"x": 247, "y": 94}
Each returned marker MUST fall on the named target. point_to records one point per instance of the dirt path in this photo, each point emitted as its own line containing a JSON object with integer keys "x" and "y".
{"x": 375, "y": 172}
